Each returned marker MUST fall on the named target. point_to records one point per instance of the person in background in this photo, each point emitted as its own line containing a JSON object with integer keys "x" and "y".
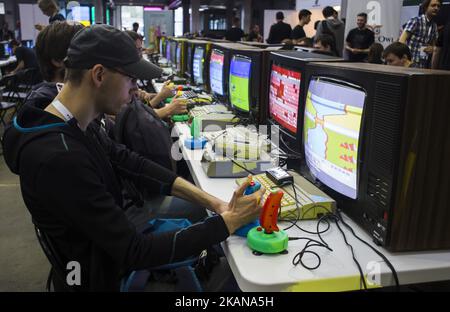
{"x": 298, "y": 32}
{"x": 177, "y": 106}
{"x": 316, "y": 24}
{"x": 305, "y": 42}
{"x": 359, "y": 40}
{"x": 255, "y": 34}
{"x": 49, "y": 8}
{"x": 6, "y": 34}
{"x": 136, "y": 27}
{"x": 334, "y": 27}
{"x": 398, "y": 54}
{"x": 51, "y": 56}
{"x": 235, "y": 33}
{"x": 441, "y": 56}
{"x": 26, "y": 58}
{"x": 288, "y": 44}
{"x": 17, "y": 33}
{"x": 421, "y": 33}
{"x": 324, "y": 45}
{"x": 375, "y": 54}
{"x": 279, "y": 31}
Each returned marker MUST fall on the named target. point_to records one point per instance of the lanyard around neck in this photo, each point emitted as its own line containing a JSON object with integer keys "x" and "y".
{"x": 62, "y": 110}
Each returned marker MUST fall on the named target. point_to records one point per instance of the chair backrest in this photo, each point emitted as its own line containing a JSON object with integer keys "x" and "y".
{"x": 58, "y": 268}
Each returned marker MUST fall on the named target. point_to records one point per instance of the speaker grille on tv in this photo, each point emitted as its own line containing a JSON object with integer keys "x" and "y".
{"x": 385, "y": 124}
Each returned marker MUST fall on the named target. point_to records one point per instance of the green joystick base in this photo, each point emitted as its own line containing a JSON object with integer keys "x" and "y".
{"x": 180, "y": 118}
{"x": 261, "y": 242}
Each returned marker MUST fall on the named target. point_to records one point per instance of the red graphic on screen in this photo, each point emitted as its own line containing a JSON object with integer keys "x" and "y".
{"x": 284, "y": 97}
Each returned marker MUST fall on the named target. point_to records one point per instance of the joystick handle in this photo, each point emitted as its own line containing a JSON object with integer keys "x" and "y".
{"x": 252, "y": 188}
{"x": 269, "y": 215}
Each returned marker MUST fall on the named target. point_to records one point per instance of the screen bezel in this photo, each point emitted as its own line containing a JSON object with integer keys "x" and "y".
{"x": 249, "y": 84}
{"x": 338, "y": 81}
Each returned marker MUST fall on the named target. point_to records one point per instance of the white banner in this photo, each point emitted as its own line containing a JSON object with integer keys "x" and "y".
{"x": 383, "y": 18}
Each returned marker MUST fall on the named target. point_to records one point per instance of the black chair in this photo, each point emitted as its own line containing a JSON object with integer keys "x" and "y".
{"x": 10, "y": 98}
{"x": 132, "y": 282}
{"x": 57, "y": 270}
{"x": 26, "y": 79}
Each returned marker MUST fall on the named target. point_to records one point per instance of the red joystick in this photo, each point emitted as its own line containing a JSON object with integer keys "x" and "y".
{"x": 268, "y": 218}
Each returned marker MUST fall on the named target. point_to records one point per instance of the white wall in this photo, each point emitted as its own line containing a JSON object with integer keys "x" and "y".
{"x": 314, "y": 4}
{"x": 30, "y": 15}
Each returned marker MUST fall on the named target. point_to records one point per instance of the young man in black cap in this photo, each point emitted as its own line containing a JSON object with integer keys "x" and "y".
{"x": 68, "y": 179}
{"x": 279, "y": 31}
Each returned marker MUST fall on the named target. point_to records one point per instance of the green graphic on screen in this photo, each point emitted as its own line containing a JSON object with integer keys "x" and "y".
{"x": 240, "y": 83}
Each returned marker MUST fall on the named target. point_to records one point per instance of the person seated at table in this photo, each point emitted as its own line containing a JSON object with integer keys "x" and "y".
{"x": 167, "y": 91}
{"x": 26, "y": 57}
{"x": 325, "y": 45}
{"x": 398, "y": 54}
{"x": 58, "y": 158}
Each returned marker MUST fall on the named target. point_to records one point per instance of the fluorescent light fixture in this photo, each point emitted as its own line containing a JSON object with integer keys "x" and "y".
{"x": 148, "y": 8}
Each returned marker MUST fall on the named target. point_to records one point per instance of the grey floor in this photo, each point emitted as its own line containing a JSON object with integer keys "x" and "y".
{"x": 23, "y": 265}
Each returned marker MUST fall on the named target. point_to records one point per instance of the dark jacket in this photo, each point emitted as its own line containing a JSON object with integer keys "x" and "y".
{"x": 140, "y": 129}
{"x": 279, "y": 32}
{"x": 335, "y": 28}
{"x": 70, "y": 186}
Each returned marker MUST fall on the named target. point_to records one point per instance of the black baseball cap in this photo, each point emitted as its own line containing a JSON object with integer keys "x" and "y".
{"x": 110, "y": 47}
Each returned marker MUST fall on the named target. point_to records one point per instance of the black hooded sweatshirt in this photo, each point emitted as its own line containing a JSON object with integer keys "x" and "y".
{"x": 69, "y": 184}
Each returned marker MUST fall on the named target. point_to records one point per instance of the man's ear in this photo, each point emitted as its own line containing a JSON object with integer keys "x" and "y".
{"x": 97, "y": 74}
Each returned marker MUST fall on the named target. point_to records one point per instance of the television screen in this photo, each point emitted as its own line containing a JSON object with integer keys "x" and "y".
{"x": 332, "y": 128}
{"x": 284, "y": 96}
{"x": 197, "y": 65}
{"x": 178, "y": 57}
{"x": 168, "y": 49}
{"x": 8, "y": 49}
{"x": 216, "y": 64}
{"x": 240, "y": 67}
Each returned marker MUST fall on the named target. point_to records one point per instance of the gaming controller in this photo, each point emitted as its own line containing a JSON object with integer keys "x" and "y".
{"x": 268, "y": 238}
{"x": 195, "y": 141}
{"x": 180, "y": 117}
{"x": 252, "y": 188}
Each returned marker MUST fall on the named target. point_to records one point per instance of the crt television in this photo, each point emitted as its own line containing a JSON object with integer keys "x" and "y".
{"x": 376, "y": 139}
{"x": 5, "y": 50}
{"x": 247, "y": 81}
{"x": 286, "y": 95}
{"x": 198, "y": 62}
{"x": 219, "y": 69}
{"x": 217, "y": 73}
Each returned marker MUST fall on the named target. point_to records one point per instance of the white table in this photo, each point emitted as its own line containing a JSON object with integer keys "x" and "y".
{"x": 10, "y": 60}
{"x": 337, "y": 271}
